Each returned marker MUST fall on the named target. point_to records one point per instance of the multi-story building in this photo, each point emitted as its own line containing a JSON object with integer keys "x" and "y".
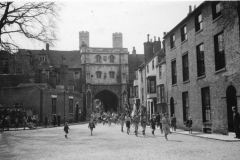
{"x": 105, "y": 74}
{"x": 203, "y": 69}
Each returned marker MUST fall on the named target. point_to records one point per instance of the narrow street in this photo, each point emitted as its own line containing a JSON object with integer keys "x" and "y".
{"x": 110, "y": 143}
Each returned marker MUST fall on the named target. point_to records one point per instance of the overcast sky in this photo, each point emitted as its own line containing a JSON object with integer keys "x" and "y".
{"x": 134, "y": 19}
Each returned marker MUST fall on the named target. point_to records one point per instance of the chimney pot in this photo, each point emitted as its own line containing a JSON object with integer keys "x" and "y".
{"x": 158, "y": 38}
{"x": 194, "y": 7}
{"x": 154, "y": 38}
{"x": 47, "y": 47}
{"x": 190, "y": 9}
{"x": 148, "y": 38}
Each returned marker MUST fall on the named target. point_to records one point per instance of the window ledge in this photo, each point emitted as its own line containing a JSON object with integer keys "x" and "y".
{"x": 173, "y": 48}
{"x": 187, "y": 81}
{"x": 217, "y": 18}
{"x": 220, "y": 70}
{"x": 198, "y": 31}
{"x": 174, "y": 85}
{"x": 184, "y": 41}
{"x": 203, "y": 76}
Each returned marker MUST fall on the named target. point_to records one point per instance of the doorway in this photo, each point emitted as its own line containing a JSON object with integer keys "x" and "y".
{"x": 172, "y": 111}
{"x": 231, "y": 101}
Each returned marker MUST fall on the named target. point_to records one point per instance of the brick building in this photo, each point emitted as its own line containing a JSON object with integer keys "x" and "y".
{"x": 42, "y": 99}
{"x": 203, "y": 70}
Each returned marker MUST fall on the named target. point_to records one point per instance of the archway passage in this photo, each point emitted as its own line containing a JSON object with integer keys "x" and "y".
{"x": 172, "y": 106}
{"x": 109, "y": 100}
{"x": 231, "y": 101}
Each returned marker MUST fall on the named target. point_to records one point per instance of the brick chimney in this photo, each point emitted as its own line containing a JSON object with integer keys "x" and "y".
{"x": 47, "y": 47}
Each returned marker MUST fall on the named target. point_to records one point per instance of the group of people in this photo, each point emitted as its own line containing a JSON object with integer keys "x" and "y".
{"x": 55, "y": 121}
{"x": 27, "y": 121}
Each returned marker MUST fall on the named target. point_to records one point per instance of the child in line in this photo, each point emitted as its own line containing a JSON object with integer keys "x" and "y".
{"x": 91, "y": 125}
{"x": 66, "y": 128}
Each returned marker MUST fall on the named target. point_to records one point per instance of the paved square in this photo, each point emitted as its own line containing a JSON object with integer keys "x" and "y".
{"x": 110, "y": 143}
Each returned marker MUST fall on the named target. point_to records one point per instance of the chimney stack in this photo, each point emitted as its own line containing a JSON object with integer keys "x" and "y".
{"x": 47, "y": 47}
{"x": 148, "y": 37}
{"x": 134, "y": 52}
{"x": 151, "y": 40}
{"x": 158, "y": 38}
{"x": 194, "y": 7}
{"x": 190, "y": 9}
{"x": 154, "y": 38}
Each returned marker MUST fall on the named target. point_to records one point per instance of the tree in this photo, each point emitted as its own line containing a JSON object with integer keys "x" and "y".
{"x": 33, "y": 20}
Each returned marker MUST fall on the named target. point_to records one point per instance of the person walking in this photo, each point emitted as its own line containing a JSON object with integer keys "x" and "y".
{"x": 66, "y": 128}
{"x": 54, "y": 120}
{"x": 136, "y": 121}
{"x": 16, "y": 123}
{"x": 122, "y": 120}
{"x": 166, "y": 125}
{"x": 236, "y": 122}
{"x": 59, "y": 118}
{"x": 128, "y": 123}
{"x": 153, "y": 123}
{"x": 7, "y": 119}
{"x": 189, "y": 124}
{"x": 159, "y": 121}
{"x": 173, "y": 123}
{"x": 24, "y": 122}
{"x": 91, "y": 125}
{"x": 50, "y": 122}
{"x": 143, "y": 123}
{"x": 46, "y": 121}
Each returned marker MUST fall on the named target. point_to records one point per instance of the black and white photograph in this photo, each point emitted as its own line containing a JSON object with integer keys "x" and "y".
{"x": 119, "y": 80}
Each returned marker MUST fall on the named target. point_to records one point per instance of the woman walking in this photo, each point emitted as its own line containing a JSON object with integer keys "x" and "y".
{"x": 122, "y": 119}
{"x": 166, "y": 125}
{"x": 143, "y": 123}
{"x": 153, "y": 124}
{"x": 189, "y": 124}
{"x": 66, "y": 128}
{"x": 91, "y": 125}
{"x": 136, "y": 122}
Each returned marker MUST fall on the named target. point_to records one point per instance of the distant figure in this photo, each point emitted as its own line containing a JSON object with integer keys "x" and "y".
{"x": 159, "y": 121}
{"x": 66, "y": 128}
{"x": 166, "y": 125}
{"x": 16, "y": 124}
{"x": 37, "y": 120}
{"x": 153, "y": 123}
{"x": 54, "y": 120}
{"x": 49, "y": 122}
{"x": 91, "y": 125}
{"x": 236, "y": 122}
{"x": 173, "y": 123}
{"x": 7, "y": 119}
{"x": 46, "y": 121}
{"x": 143, "y": 123}
{"x": 128, "y": 122}
{"x": 24, "y": 122}
{"x": 189, "y": 124}
{"x": 122, "y": 119}
{"x": 59, "y": 119}
{"x": 136, "y": 121}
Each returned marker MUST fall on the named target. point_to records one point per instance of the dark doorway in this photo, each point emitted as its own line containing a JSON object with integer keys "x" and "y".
{"x": 231, "y": 101}
{"x": 172, "y": 106}
{"x": 108, "y": 99}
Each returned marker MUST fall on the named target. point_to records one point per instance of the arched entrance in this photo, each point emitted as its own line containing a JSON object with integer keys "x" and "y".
{"x": 231, "y": 101}
{"x": 172, "y": 106}
{"x": 108, "y": 99}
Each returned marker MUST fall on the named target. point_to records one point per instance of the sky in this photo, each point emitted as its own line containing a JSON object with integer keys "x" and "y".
{"x": 134, "y": 19}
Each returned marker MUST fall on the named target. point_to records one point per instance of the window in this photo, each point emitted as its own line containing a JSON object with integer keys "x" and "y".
{"x": 111, "y": 59}
{"x": 147, "y": 69}
{"x": 200, "y": 60}
{"x": 47, "y": 74}
{"x": 216, "y": 9}
{"x": 142, "y": 94}
{"x": 153, "y": 64}
{"x": 151, "y": 82}
{"x": 70, "y": 105}
{"x": 4, "y": 66}
{"x": 88, "y": 75}
{"x": 136, "y": 74}
{"x": 160, "y": 72}
{"x": 184, "y": 33}
{"x": 158, "y": 94}
{"x": 124, "y": 76}
{"x": 19, "y": 70}
{"x": 172, "y": 41}
{"x": 98, "y": 59}
{"x": 105, "y": 75}
{"x": 185, "y": 106}
{"x": 219, "y": 51}
{"x": 174, "y": 72}
{"x": 185, "y": 67}
{"x": 198, "y": 22}
{"x": 42, "y": 58}
{"x": 99, "y": 74}
{"x": 136, "y": 91}
{"x": 54, "y": 105}
{"x": 206, "y": 109}
{"x": 111, "y": 74}
{"x": 162, "y": 94}
{"x": 76, "y": 75}
{"x": 71, "y": 88}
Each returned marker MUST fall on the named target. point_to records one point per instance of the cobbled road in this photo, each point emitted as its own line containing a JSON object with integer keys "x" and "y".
{"x": 110, "y": 143}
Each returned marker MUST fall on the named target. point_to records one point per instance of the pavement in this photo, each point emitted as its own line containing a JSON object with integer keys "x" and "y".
{"x": 109, "y": 143}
